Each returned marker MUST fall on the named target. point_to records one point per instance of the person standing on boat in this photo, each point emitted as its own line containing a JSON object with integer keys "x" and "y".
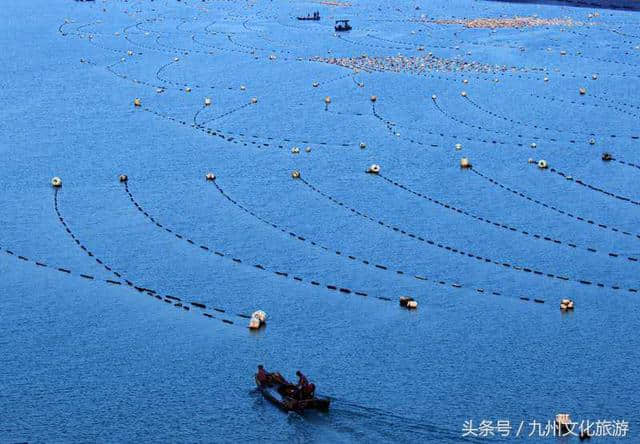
{"x": 302, "y": 380}
{"x": 263, "y": 376}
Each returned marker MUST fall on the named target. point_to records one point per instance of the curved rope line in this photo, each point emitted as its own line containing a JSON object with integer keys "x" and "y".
{"x": 454, "y": 250}
{"x": 229, "y": 257}
{"x": 375, "y": 266}
{"x": 177, "y": 302}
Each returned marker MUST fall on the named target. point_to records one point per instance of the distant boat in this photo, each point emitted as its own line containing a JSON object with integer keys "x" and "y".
{"x": 314, "y": 16}
{"x": 342, "y": 25}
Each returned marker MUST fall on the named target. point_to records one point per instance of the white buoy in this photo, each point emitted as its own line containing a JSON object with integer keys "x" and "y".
{"x": 159, "y": 90}
{"x": 315, "y": 84}
{"x": 187, "y": 89}
{"x": 374, "y": 169}
{"x": 175, "y": 59}
{"x": 465, "y": 163}
{"x": 327, "y": 100}
{"x": 363, "y": 145}
{"x": 129, "y": 53}
{"x": 307, "y": 149}
{"x": 582, "y": 91}
{"x": 531, "y": 160}
{"x": 295, "y": 150}
{"x": 458, "y": 146}
{"x": 534, "y": 145}
{"x": 412, "y": 305}
{"x": 123, "y": 178}
{"x": 434, "y": 97}
{"x": 542, "y": 164}
{"x": 272, "y": 57}
{"x": 463, "y": 94}
{"x": 242, "y": 87}
{"x": 254, "y": 100}
{"x": 207, "y": 101}
{"x": 374, "y": 98}
{"x": 210, "y": 176}
{"x": 465, "y": 81}
{"x": 295, "y": 174}
{"x": 594, "y": 77}
{"x": 260, "y": 315}
{"x": 56, "y": 182}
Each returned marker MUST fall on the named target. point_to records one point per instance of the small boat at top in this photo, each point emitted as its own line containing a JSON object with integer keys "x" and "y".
{"x": 342, "y": 25}
{"x": 314, "y": 16}
{"x": 283, "y": 395}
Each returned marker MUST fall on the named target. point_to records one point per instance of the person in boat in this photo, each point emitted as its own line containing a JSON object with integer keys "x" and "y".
{"x": 264, "y": 377}
{"x": 305, "y": 389}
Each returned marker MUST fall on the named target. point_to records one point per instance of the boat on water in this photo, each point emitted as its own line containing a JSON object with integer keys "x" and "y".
{"x": 283, "y": 395}
{"x": 342, "y": 25}
{"x": 314, "y": 16}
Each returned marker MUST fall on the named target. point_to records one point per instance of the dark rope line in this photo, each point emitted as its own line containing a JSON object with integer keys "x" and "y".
{"x": 624, "y": 162}
{"x": 518, "y": 122}
{"x": 378, "y": 267}
{"x": 583, "y": 103}
{"x": 177, "y": 302}
{"x": 502, "y": 225}
{"x": 229, "y": 257}
{"x": 244, "y": 139}
{"x": 553, "y": 208}
{"x": 570, "y": 178}
{"x": 458, "y": 251}
{"x": 390, "y": 127}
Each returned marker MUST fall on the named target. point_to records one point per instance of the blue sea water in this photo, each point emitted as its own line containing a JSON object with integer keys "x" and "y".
{"x": 88, "y": 360}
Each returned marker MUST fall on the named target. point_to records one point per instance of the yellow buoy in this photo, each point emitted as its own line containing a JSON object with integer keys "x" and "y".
{"x": 295, "y": 174}
{"x": 207, "y": 101}
{"x": 374, "y": 169}
{"x": 254, "y": 324}
{"x": 210, "y": 176}
{"x": 374, "y": 98}
{"x": 56, "y": 182}
{"x": 327, "y": 100}
{"x": 465, "y": 163}
{"x": 137, "y": 102}
{"x": 542, "y": 164}
{"x": 123, "y": 178}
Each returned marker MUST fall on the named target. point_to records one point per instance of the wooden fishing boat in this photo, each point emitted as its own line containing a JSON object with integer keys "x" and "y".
{"x": 282, "y": 396}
